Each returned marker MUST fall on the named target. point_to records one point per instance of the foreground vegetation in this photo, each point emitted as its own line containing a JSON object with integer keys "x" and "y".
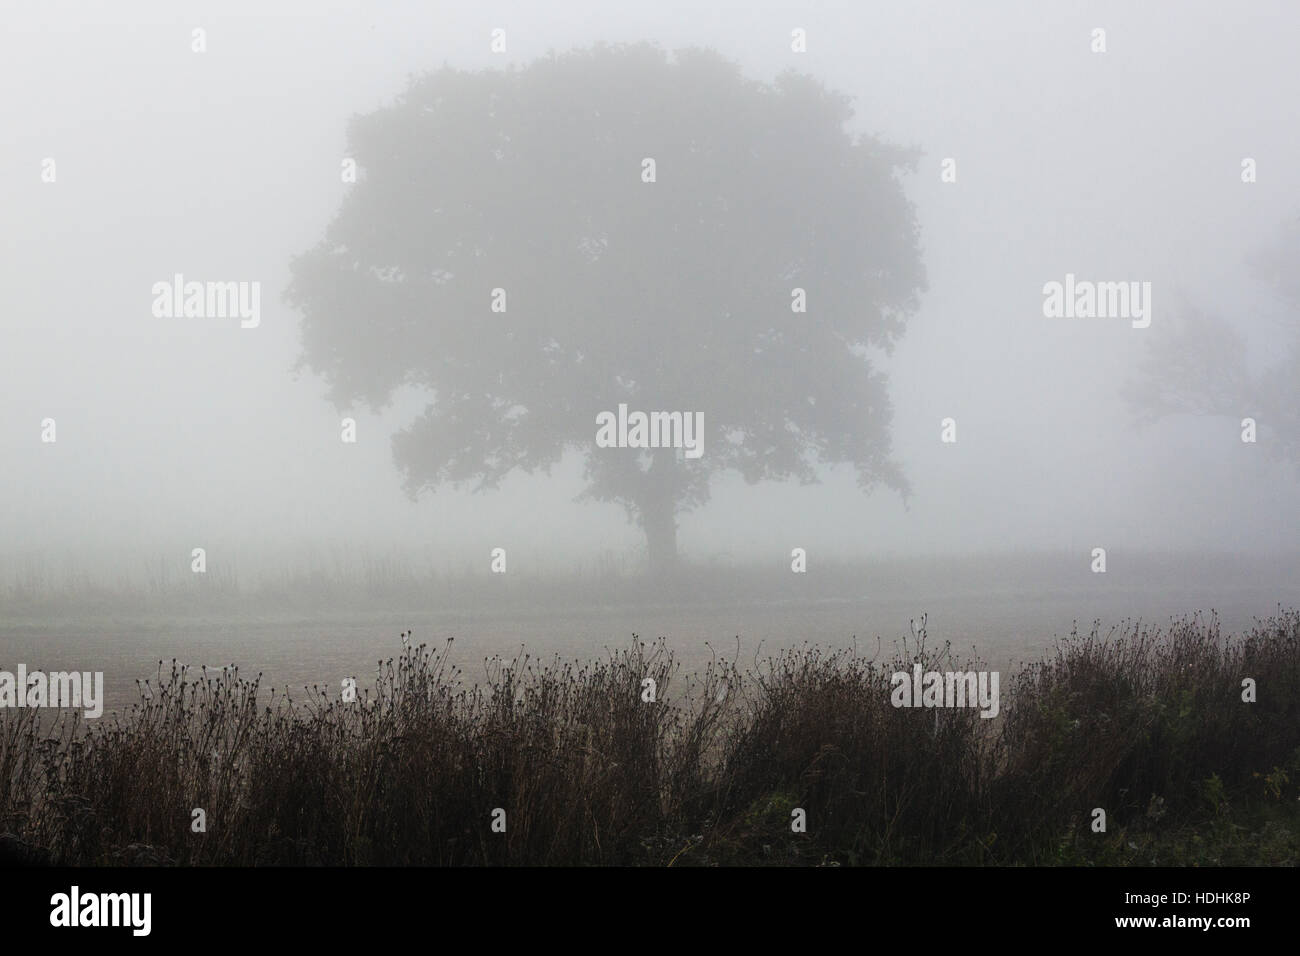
{"x": 1149, "y": 725}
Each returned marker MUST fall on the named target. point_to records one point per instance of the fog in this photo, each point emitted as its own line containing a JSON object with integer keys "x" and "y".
{"x": 177, "y": 433}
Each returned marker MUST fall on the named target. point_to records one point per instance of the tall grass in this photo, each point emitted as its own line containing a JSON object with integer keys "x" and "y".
{"x": 1148, "y": 725}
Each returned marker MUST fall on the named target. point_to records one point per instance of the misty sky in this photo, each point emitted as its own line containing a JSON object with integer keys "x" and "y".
{"x": 175, "y": 433}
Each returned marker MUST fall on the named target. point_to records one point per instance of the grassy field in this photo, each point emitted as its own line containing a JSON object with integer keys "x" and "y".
{"x": 1148, "y": 725}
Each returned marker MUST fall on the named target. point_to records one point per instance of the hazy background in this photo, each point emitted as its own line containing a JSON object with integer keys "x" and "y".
{"x": 182, "y": 433}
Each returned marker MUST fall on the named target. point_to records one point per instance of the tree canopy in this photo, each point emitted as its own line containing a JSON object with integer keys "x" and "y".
{"x": 1201, "y": 367}
{"x": 507, "y": 248}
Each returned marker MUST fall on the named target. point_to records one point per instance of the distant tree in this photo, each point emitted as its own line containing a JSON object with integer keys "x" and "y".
{"x": 1199, "y": 366}
{"x": 671, "y": 295}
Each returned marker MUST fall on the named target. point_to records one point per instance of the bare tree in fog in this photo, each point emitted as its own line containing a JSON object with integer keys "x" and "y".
{"x": 1200, "y": 366}
{"x": 535, "y": 247}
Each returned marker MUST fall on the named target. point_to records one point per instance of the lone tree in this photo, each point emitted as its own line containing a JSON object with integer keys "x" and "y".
{"x": 1199, "y": 366}
{"x": 536, "y": 246}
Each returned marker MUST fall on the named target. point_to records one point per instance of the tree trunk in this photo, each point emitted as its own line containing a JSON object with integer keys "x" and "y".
{"x": 658, "y": 510}
{"x": 661, "y": 537}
